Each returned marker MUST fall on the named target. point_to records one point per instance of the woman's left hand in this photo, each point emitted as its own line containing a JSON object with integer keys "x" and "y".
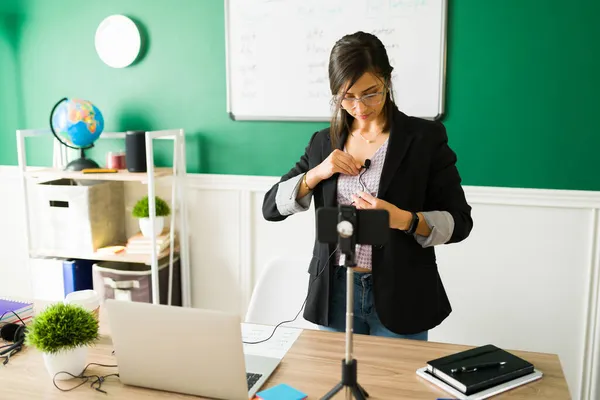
{"x": 399, "y": 219}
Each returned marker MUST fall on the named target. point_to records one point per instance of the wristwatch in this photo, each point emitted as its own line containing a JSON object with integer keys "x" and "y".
{"x": 414, "y": 222}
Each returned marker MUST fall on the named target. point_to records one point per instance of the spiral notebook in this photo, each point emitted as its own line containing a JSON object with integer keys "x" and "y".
{"x": 9, "y": 306}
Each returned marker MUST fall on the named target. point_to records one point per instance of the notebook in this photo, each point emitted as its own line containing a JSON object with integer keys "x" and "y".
{"x": 18, "y": 307}
{"x": 484, "y": 394}
{"x": 478, "y": 369}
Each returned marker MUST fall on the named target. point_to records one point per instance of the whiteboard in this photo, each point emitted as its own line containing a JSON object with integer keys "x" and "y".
{"x": 278, "y": 54}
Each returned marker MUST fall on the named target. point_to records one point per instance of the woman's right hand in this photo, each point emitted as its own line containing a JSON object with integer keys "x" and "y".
{"x": 338, "y": 162}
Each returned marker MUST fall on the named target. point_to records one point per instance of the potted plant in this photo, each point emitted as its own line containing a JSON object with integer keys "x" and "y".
{"x": 63, "y": 333}
{"x": 142, "y": 213}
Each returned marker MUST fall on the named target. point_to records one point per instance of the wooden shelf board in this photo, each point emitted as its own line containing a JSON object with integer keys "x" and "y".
{"x": 119, "y": 257}
{"x": 122, "y": 175}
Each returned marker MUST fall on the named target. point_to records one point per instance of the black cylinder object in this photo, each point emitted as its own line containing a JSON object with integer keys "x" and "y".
{"x": 12, "y": 332}
{"x": 135, "y": 151}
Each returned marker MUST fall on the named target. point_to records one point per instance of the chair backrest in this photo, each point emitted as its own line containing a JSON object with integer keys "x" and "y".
{"x": 279, "y": 294}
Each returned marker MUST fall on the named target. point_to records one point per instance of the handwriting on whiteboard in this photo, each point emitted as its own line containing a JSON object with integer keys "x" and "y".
{"x": 278, "y": 53}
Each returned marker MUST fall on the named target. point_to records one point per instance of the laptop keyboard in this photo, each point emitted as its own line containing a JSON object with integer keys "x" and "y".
{"x": 252, "y": 379}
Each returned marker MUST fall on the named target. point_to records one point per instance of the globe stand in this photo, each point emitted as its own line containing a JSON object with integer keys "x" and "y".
{"x": 81, "y": 163}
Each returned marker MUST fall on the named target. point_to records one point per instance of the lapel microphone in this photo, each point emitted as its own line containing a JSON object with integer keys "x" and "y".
{"x": 366, "y": 167}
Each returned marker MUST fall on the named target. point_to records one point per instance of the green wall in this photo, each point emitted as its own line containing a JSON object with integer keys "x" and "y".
{"x": 11, "y": 114}
{"x": 522, "y": 82}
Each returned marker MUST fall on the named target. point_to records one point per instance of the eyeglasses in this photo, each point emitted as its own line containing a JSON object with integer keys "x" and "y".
{"x": 369, "y": 100}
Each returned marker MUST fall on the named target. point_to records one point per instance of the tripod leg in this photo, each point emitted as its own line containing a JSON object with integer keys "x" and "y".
{"x": 358, "y": 392}
{"x": 333, "y": 391}
{"x": 363, "y": 391}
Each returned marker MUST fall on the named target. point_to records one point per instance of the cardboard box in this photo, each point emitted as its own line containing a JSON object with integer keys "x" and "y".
{"x": 77, "y": 216}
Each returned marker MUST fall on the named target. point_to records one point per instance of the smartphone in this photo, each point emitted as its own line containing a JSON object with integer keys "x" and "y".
{"x": 370, "y": 226}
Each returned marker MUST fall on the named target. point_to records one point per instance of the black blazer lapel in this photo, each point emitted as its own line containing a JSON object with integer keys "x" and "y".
{"x": 398, "y": 145}
{"x": 330, "y": 185}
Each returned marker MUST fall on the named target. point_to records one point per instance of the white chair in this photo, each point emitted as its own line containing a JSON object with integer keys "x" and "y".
{"x": 279, "y": 294}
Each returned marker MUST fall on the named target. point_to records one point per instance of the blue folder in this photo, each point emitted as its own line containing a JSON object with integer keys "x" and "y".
{"x": 77, "y": 275}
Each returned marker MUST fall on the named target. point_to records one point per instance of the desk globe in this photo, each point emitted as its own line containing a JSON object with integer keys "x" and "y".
{"x": 77, "y": 124}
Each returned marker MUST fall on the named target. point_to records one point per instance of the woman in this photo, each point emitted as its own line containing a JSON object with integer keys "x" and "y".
{"x": 411, "y": 174}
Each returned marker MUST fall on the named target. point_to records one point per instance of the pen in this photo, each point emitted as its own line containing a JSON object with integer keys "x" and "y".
{"x": 475, "y": 367}
{"x": 99, "y": 170}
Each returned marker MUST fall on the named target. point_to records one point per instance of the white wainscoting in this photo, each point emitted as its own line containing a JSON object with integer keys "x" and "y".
{"x": 14, "y": 274}
{"x": 527, "y": 277}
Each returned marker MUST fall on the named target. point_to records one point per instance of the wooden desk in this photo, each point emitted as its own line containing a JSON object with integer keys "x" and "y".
{"x": 386, "y": 369}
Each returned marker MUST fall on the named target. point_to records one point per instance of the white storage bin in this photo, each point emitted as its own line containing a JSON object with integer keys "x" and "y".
{"x": 77, "y": 216}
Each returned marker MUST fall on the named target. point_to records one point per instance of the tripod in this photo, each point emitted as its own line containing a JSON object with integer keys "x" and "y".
{"x": 349, "y": 364}
{"x": 347, "y": 221}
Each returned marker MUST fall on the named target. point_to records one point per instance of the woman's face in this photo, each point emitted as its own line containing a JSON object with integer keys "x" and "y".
{"x": 366, "y": 98}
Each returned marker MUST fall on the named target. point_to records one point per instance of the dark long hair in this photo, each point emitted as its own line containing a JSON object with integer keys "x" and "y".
{"x": 351, "y": 57}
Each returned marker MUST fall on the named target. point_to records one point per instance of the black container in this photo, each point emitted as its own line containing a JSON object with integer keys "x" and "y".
{"x": 135, "y": 151}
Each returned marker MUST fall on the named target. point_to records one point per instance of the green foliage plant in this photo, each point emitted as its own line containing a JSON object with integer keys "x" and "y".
{"x": 62, "y": 327}
{"x": 141, "y": 208}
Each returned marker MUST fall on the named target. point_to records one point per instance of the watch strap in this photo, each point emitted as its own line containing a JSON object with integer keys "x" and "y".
{"x": 414, "y": 223}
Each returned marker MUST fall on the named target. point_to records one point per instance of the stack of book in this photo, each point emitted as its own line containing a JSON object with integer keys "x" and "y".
{"x": 139, "y": 244}
{"x": 8, "y": 309}
{"x": 479, "y": 373}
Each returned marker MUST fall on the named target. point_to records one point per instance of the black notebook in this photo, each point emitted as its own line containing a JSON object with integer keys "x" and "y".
{"x": 480, "y": 368}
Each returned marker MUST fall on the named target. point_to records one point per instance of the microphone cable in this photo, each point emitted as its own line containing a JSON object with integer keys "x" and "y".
{"x": 303, "y": 304}
{"x": 96, "y": 379}
{"x": 366, "y": 167}
{"x": 11, "y": 332}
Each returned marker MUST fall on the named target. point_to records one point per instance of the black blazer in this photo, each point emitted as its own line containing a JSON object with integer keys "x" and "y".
{"x": 419, "y": 174}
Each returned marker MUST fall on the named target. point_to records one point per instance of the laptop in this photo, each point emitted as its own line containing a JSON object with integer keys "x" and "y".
{"x": 184, "y": 350}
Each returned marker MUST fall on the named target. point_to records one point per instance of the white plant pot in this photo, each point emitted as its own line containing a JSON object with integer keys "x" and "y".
{"x": 146, "y": 226}
{"x": 71, "y": 361}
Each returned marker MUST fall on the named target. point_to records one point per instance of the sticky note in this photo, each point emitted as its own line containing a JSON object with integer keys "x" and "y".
{"x": 281, "y": 392}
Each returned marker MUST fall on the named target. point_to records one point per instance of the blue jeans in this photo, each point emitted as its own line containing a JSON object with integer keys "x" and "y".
{"x": 365, "y": 320}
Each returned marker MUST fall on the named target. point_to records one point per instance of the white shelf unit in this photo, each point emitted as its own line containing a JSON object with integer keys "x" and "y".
{"x": 177, "y": 174}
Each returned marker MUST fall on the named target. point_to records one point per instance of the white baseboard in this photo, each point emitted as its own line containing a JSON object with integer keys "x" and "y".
{"x": 527, "y": 277}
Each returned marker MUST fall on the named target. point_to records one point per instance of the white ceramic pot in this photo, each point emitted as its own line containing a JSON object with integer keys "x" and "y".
{"x": 71, "y": 361}
{"x": 145, "y": 226}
